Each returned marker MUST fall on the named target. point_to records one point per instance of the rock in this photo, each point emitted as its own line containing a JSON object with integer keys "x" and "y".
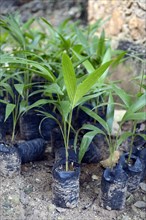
{"x": 143, "y": 186}
{"x": 87, "y": 187}
{"x": 118, "y": 14}
{"x": 125, "y": 217}
{"x": 130, "y": 199}
{"x": 53, "y": 10}
{"x": 51, "y": 208}
{"x": 37, "y": 180}
{"x": 28, "y": 189}
{"x": 36, "y": 214}
{"x": 128, "y": 12}
{"x": 60, "y": 218}
{"x": 96, "y": 191}
{"x": 24, "y": 168}
{"x": 116, "y": 21}
{"x": 94, "y": 177}
{"x": 130, "y": 3}
{"x": 142, "y": 4}
{"x": 15, "y": 199}
{"x": 7, "y": 205}
{"x": 132, "y": 48}
{"x": 143, "y": 215}
{"x": 140, "y": 13}
{"x": 60, "y": 210}
{"x": 36, "y": 6}
{"x": 73, "y": 11}
{"x": 24, "y": 198}
{"x": 21, "y": 2}
{"x": 133, "y": 22}
{"x": 140, "y": 204}
{"x": 134, "y": 209}
{"x": 135, "y": 26}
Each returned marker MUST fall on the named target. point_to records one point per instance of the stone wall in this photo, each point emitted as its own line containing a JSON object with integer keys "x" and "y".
{"x": 126, "y": 26}
{"x": 55, "y": 11}
{"x": 127, "y": 18}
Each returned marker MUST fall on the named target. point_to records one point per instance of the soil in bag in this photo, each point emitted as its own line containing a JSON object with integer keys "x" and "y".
{"x": 5, "y": 126}
{"x": 60, "y": 154}
{"x": 10, "y": 161}
{"x": 2, "y": 124}
{"x": 65, "y": 188}
{"x": 133, "y": 168}
{"x": 113, "y": 188}
{"x": 141, "y": 153}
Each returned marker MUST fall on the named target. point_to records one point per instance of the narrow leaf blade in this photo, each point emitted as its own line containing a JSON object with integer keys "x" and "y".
{"x": 110, "y": 112}
{"x": 9, "y": 109}
{"x": 97, "y": 118}
{"x": 84, "y": 87}
{"x": 69, "y": 76}
{"x": 19, "y": 88}
{"x": 86, "y": 140}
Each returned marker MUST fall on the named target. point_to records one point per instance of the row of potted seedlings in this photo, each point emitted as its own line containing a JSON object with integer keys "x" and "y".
{"x": 41, "y": 125}
{"x": 67, "y": 111}
{"x": 116, "y": 180}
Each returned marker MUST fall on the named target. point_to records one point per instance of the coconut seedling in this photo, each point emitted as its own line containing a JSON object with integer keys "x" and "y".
{"x": 20, "y": 63}
{"x": 116, "y": 177}
{"x": 71, "y": 94}
{"x": 133, "y": 113}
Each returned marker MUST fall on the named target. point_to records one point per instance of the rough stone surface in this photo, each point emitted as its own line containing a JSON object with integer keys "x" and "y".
{"x": 54, "y": 10}
{"x": 125, "y": 25}
{"x": 140, "y": 204}
{"x": 143, "y": 186}
{"x": 127, "y": 18}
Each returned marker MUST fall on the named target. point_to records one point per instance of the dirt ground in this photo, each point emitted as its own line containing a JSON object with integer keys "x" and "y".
{"x": 28, "y": 196}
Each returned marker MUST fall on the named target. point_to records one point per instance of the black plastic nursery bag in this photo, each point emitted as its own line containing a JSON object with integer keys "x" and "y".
{"x": 32, "y": 150}
{"x": 113, "y": 188}
{"x": 10, "y": 162}
{"x": 65, "y": 188}
{"x": 134, "y": 171}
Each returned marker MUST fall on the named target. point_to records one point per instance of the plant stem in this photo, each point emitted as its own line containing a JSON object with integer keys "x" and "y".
{"x": 67, "y": 138}
{"x": 141, "y": 82}
{"x": 66, "y": 146}
{"x": 15, "y": 115}
{"x": 131, "y": 142}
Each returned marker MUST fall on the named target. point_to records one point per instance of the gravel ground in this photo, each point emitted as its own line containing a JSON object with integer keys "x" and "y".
{"x": 28, "y": 196}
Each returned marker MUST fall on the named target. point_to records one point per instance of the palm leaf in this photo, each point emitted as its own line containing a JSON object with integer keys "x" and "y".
{"x": 69, "y": 77}
{"x": 84, "y": 87}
